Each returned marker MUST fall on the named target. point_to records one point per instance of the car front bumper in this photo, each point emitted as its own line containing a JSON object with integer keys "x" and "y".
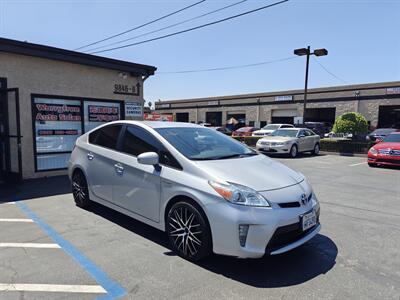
{"x": 384, "y": 160}
{"x": 271, "y": 231}
{"x": 273, "y": 149}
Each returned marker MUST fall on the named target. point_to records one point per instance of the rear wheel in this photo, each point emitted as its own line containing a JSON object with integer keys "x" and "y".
{"x": 293, "y": 151}
{"x": 315, "y": 150}
{"x": 188, "y": 231}
{"x": 80, "y": 189}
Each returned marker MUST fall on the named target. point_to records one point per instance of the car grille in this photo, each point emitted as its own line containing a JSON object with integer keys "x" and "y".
{"x": 289, "y": 204}
{"x": 391, "y": 161}
{"x": 268, "y": 143}
{"x": 286, "y": 235}
{"x": 390, "y": 152}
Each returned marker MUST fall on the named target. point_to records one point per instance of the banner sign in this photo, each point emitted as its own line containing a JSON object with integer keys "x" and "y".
{"x": 49, "y": 132}
{"x": 57, "y": 112}
{"x": 133, "y": 109}
{"x": 103, "y": 113}
{"x": 284, "y": 98}
{"x": 158, "y": 117}
{"x": 393, "y": 90}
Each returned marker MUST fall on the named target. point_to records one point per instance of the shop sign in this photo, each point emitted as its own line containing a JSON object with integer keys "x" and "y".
{"x": 133, "y": 109}
{"x": 49, "y": 132}
{"x": 164, "y": 105}
{"x": 158, "y": 117}
{"x": 57, "y": 112}
{"x": 99, "y": 113}
{"x": 284, "y": 98}
{"x": 393, "y": 90}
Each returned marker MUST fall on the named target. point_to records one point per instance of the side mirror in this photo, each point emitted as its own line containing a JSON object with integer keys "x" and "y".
{"x": 148, "y": 158}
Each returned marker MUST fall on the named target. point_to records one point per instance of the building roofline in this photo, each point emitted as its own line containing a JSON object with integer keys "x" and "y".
{"x": 42, "y": 51}
{"x": 339, "y": 88}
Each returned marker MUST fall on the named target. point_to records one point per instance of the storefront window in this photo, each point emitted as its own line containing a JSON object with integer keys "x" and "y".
{"x": 59, "y": 122}
{"x": 97, "y": 113}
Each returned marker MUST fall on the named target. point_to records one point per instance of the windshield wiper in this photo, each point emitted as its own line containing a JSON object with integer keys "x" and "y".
{"x": 236, "y": 155}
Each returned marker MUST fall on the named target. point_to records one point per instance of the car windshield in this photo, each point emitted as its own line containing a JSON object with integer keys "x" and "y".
{"x": 204, "y": 143}
{"x": 286, "y": 132}
{"x": 271, "y": 127}
{"x": 392, "y": 138}
{"x": 383, "y": 131}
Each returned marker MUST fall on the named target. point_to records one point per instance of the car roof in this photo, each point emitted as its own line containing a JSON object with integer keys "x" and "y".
{"x": 159, "y": 124}
{"x": 292, "y": 128}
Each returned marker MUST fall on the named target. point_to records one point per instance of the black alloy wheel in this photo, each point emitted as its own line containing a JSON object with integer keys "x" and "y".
{"x": 80, "y": 189}
{"x": 188, "y": 231}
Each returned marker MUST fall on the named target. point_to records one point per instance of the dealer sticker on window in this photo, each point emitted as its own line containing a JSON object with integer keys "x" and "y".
{"x": 309, "y": 220}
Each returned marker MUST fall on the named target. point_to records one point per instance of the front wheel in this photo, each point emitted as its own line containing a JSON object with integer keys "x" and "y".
{"x": 80, "y": 190}
{"x": 293, "y": 151}
{"x": 188, "y": 231}
{"x": 372, "y": 165}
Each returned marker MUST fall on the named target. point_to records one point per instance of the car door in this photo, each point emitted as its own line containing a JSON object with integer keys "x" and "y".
{"x": 99, "y": 160}
{"x": 309, "y": 140}
{"x": 302, "y": 140}
{"x": 136, "y": 187}
{"x": 314, "y": 138}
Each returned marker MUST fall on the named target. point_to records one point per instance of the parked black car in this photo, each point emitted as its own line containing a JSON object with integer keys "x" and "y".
{"x": 379, "y": 134}
{"x": 319, "y": 128}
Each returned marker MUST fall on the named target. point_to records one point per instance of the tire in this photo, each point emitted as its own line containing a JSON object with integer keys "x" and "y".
{"x": 293, "y": 151}
{"x": 188, "y": 231}
{"x": 80, "y": 190}
{"x": 372, "y": 165}
{"x": 316, "y": 149}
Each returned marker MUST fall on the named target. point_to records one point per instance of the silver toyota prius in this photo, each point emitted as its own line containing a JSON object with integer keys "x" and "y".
{"x": 207, "y": 191}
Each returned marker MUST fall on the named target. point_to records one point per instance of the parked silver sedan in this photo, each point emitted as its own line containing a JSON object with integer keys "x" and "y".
{"x": 290, "y": 141}
{"x": 209, "y": 192}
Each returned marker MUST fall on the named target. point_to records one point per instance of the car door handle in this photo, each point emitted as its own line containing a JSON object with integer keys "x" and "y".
{"x": 90, "y": 156}
{"x": 119, "y": 168}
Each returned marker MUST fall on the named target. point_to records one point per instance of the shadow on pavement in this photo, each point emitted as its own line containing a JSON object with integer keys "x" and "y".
{"x": 35, "y": 188}
{"x": 316, "y": 257}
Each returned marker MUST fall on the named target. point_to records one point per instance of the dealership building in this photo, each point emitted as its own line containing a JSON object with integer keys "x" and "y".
{"x": 50, "y": 96}
{"x": 378, "y": 102}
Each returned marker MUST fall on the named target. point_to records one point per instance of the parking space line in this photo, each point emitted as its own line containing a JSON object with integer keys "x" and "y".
{"x": 357, "y": 164}
{"x": 30, "y": 245}
{"x": 17, "y": 220}
{"x": 63, "y": 288}
{"x": 113, "y": 289}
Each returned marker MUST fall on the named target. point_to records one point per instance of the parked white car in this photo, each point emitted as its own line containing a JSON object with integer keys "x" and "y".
{"x": 270, "y": 128}
{"x": 290, "y": 141}
{"x": 209, "y": 192}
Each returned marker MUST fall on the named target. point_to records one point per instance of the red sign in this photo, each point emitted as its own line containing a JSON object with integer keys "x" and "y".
{"x": 47, "y": 132}
{"x": 57, "y": 112}
{"x": 103, "y": 113}
{"x": 158, "y": 117}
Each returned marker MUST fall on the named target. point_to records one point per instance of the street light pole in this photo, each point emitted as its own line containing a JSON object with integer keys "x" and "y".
{"x": 306, "y": 85}
{"x": 307, "y": 52}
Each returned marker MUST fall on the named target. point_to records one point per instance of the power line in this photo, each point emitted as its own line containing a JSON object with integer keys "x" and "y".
{"x": 329, "y": 72}
{"x": 140, "y": 26}
{"x": 230, "y": 67}
{"x": 193, "y": 28}
{"x": 167, "y": 27}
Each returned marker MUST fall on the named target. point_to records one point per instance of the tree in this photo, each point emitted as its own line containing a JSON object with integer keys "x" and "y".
{"x": 351, "y": 122}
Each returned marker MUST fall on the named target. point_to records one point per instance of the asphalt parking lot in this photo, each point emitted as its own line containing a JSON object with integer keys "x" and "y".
{"x": 50, "y": 249}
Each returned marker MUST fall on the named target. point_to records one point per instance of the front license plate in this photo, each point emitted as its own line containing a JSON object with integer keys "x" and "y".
{"x": 309, "y": 220}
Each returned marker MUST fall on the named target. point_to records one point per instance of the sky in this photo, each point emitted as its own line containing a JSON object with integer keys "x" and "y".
{"x": 362, "y": 37}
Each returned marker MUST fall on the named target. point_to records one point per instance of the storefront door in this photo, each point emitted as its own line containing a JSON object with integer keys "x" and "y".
{"x": 10, "y": 136}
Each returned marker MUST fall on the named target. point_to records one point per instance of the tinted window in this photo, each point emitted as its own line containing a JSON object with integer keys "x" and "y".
{"x": 392, "y": 138}
{"x": 137, "y": 141}
{"x": 286, "y": 126}
{"x": 106, "y": 136}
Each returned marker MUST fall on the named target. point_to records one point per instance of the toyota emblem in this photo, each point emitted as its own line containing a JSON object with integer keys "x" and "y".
{"x": 303, "y": 199}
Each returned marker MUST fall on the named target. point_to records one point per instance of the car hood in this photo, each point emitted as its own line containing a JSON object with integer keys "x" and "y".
{"x": 278, "y": 138}
{"x": 383, "y": 145}
{"x": 264, "y": 131}
{"x": 257, "y": 172}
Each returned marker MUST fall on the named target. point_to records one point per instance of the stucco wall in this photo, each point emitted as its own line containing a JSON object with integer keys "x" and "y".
{"x": 32, "y": 75}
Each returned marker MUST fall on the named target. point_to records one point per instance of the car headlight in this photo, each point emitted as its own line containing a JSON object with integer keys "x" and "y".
{"x": 373, "y": 151}
{"x": 239, "y": 194}
{"x": 279, "y": 144}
